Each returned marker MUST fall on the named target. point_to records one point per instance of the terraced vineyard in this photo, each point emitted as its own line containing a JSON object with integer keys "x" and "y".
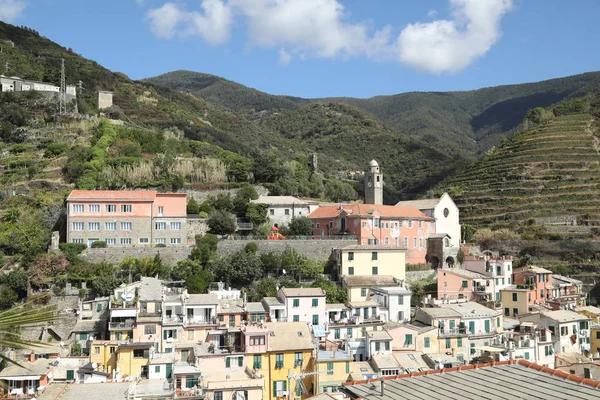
{"x": 551, "y": 170}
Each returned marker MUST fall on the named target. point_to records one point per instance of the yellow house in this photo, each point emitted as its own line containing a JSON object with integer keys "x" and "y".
{"x": 591, "y": 312}
{"x": 289, "y": 353}
{"x": 595, "y": 339}
{"x": 333, "y": 367}
{"x": 358, "y": 286}
{"x": 133, "y": 358}
{"x": 413, "y": 337}
{"x": 373, "y": 260}
{"x": 516, "y": 301}
{"x": 104, "y": 353}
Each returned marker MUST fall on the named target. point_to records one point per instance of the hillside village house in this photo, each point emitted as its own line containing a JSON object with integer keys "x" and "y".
{"x": 403, "y": 227}
{"x": 125, "y": 218}
{"x": 456, "y": 284}
{"x": 516, "y": 300}
{"x": 497, "y": 268}
{"x": 445, "y": 212}
{"x": 358, "y": 287}
{"x": 282, "y": 209}
{"x": 372, "y": 260}
{"x": 451, "y": 332}
{"x": 303, "y": 304}
{"x": 570, "y": 330}
{"x": 539, "y": 280}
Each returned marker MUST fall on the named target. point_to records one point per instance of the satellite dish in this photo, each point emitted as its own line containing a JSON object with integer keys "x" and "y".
{"x": 62, "y": 344}
{"x": 94, "y": 365}
{"x": 283, "y": 271}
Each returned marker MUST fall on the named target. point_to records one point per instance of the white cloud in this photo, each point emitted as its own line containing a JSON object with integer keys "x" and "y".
{"x": 450, "y": 45}
{"x": 321, "y": 29}
{"x": 11, "y": 9}
{"x": 284, "y": 57}
{"x": 212, "y": 24}
{"x": 431, "y": 13}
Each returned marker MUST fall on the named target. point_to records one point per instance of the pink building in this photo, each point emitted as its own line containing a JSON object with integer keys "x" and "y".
{"x": 537, "y": 279}
{"x": 460, "y": 284}
{"x": 123, "y": 218}
{"x": 304, "y": 304}
{"x": 372, "y": 224}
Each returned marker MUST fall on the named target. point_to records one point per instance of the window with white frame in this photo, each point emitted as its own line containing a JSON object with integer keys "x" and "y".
{"x": 160, "y": 226}
{"x": 175, "y": 226}
{"x": 125, "y": 226}
{"x": 126, "y": 241}
{"x": 415, "y": 242}
{"x": 410, "y": 223}
{"x": 161, "y": 210}
{"x": 406, "y": 242}
{"x": 160, "y": 241}
{"x": 110, "y": 241}
{"x": 126, "y": 208}
{"x": 144, "y": 241}
{"x": 94, "y": 208}
{"x": 175, "y": 240}
{"x": 78, "y": 208}
{"x": 78, "y": 226}
{"x": 76, "y": 240}
{"x": 111, "y": 208}
{"x": 110, "y": 226}
{"x": 420, "y": 242}
{"x": 420, "y": 224}
{"x": 94, "y": 226}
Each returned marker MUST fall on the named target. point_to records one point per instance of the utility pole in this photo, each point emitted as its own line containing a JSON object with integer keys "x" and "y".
{"x": 62, "y": 96}
{"x": 6, "y": 67}
{"x": 80, "y": 86}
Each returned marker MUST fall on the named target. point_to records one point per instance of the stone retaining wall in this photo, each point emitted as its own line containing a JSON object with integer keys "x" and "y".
{"x": 313, "y": 249}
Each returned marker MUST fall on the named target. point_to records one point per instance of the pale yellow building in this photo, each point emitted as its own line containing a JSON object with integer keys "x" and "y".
{"x": 104, "y": 353}
{"x": 516, "y": 301}
{"x": 593, "y": 313}
{"x": 333, "y": 367}
{"x": 133, "y": 359}
{"x": 373, "y": 260}
{"x": 358, "y": 287}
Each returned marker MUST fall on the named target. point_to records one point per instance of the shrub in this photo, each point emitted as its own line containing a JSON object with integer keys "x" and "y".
{"x": 251, "y": 247}
{"x": 99, "y": 244}
{"x": 55, "y": 149}
{"x": 72, "y": 249}
{"x": 161, "y": 245}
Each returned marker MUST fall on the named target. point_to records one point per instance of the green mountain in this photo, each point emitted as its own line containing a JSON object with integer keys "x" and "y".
{"x": 461, "y": 124}
{"x": 229, "y": 125}
{"x": 550, "y": 170}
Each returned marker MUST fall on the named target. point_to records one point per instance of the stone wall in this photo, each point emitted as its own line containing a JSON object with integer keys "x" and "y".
{"x": 114, "y": 255}
{"x": 195, "y": 226}
{"x": 201, "y": 195}
{"x": 313, "y": 249}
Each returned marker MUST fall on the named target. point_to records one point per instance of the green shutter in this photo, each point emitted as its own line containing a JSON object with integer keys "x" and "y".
{"x": 284, "y": 386}
{"x": 164, "y": 335}
{"x": 347, "y": 367}
{"x": 459, "y": 342}
{"x": 487, "y": 325}
{"x": 240, "y": 361}
{"x": 227, "y": 362}
{"x": 99, "y": 307}
{"x": 274, "y": 389}
{"x": 427, "y": 343}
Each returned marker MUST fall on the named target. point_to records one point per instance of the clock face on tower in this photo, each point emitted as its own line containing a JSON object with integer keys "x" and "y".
{"x": 446, "y": 212}
{"x": 369, "y": 184}
{"x": 377, "y": 184}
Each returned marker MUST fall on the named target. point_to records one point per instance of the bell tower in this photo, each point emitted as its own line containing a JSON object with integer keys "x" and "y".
{"x": 373, "y": 184}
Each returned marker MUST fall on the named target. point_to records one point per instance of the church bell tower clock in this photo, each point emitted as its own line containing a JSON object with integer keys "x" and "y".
{"x": 373, "y": 184}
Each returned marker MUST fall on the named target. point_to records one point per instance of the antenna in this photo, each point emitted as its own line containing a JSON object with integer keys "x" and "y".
{"x": 62, "y": 96}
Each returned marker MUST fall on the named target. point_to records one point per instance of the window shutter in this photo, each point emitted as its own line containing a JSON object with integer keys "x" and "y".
{"x": 227, "y": 362}
{"x": 164, "y": 335}
{"x": 240, "y": 361}
{"x": 284, "y": 386}
{"x": 274, "y": 388}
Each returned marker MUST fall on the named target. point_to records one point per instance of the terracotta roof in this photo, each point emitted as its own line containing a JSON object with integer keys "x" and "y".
{"x": 365, "y": 210}
{"x": 139, "y": 195}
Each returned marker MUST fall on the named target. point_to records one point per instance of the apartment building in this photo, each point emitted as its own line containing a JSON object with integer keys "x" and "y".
{"x": 371, "y": 224}
{"x": 570, "y": 330}
{"x": 497, "y": 268}
{"x": 537, "y": 279}
{"x": 304, "y": 304}
{"x": 373, "y": 260}
{"x": 125, "y": 218}
{"x": 456, "y": 284}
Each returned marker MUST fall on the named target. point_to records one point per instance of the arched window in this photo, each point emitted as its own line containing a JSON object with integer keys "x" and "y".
{"x": 377, "y": 178}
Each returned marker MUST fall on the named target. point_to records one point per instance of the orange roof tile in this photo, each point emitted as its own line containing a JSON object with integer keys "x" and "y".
{"x": 135, "y": 195}
{"x": 367, "y": 210}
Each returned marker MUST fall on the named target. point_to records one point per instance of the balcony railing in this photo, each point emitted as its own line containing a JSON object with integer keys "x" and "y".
{"x": 121, "y": 305}
{"x": 453, "y": 332}
{"x": 120, "y": 326}
{"x": 189, "y": 393}
{"x": 205, "y": 321}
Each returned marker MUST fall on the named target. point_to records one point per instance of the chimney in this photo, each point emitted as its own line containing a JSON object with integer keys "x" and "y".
{"x": 382, "y": 389}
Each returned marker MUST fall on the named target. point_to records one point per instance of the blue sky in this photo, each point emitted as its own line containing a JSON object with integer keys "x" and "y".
{"x": 318, "y": 48}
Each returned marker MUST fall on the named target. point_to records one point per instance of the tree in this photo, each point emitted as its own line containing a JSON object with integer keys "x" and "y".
{"x": 46, "y": 268}
{"x": 257, "y": 213}
{"x": 240, "y": 269}
{"x": 206, "y": 248}
{"x": 300, "y": 226}
{"x": 17, "y": 281}
{"x": 267, "y": 167}
{"x": 333, "y": 292}
{"x": 221, "y": 223}
{"x": 460, "y": 257}
{"x": 340, "y": 191}
{"x": 8, "y": 297}
{"x": 198, "y": 282}
{"x": 193, "y": 207}
{"x": 242, "y": 199}
{"x": 105, "y": 285}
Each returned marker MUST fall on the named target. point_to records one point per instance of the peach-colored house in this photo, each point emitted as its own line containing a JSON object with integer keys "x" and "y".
{"x": 517, "y": 300}
{"x": 459, "y": 284}
{"x": 372, "y": 224}
{"x": 537, "y": 279}
{"x": 124, "y": 218}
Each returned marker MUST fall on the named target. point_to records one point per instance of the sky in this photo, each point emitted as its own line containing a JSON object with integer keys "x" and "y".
{"x": 324, "y": 48}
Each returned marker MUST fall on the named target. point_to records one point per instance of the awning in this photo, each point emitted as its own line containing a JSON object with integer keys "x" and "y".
{"x": 490, "y": 349}
{"x": 21, "y": 378}
{"x": 130, "y": 312}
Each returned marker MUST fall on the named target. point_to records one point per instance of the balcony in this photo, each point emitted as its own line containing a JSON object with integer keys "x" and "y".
{"x": 199, "y": 322}
{"x": 123, "y": 305}
{"x": 121, "y": 326}
{"x": 448, "y": 332}
{"x": 189, "y": 393}
{"x": 479, "y": 289}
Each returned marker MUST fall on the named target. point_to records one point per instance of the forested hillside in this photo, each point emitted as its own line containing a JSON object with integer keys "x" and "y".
{"x": 461, "y": 124}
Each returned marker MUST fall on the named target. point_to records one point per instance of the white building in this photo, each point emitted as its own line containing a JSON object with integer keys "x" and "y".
{"x": 394, "y": 301}
{"x": 570, "y": 330}
{"x": 444, "y": 211}
{"x": 304, "y": 304}
{"x": 497, "y": 268}
{"x": 283, "y": 208}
